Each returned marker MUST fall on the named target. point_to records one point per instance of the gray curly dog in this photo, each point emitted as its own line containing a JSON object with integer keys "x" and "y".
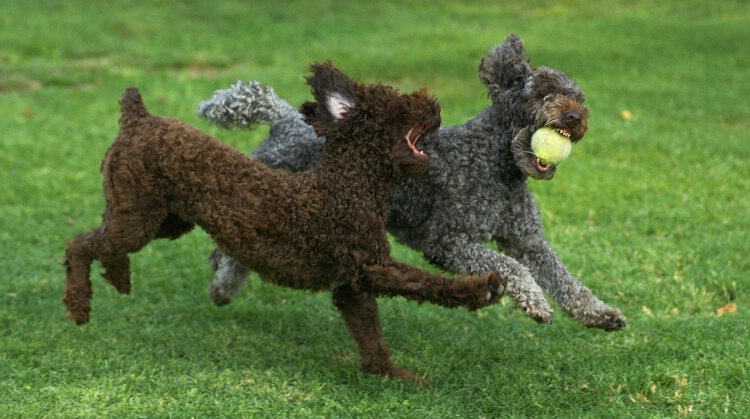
{"x": 474, "y": 192}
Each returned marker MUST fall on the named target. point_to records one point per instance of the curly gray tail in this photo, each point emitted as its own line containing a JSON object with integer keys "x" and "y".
{"x": 291, "y": 144}
{"x": 244, "y": 106}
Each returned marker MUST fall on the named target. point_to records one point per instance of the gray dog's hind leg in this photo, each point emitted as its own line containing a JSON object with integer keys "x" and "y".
{"x": 231, "y": 277}
{"x": 573, "y": 297}
{"x": 473, "y": 258}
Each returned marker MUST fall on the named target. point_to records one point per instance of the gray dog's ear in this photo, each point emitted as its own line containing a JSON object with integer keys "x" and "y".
{"x": 505, "y": 65}
{"x": 334, "y": 92}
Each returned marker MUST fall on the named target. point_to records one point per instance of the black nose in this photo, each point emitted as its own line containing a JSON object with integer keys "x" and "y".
{"x": 573, "y": 119}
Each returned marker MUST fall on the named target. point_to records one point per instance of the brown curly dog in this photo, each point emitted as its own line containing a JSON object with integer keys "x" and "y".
{"x": 319, "y": 230}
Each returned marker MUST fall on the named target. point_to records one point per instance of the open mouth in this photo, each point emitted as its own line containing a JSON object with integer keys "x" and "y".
{"x": 544, "y": 168}
{"x": 411, "y": 140}
{"x": 549, "y": 146}
{"x": 562, "y": 131}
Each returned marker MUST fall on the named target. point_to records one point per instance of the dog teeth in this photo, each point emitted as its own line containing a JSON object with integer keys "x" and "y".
{"x": 565, "y": 133}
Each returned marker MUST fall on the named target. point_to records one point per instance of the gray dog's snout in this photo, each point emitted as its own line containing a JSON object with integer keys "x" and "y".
{"x": 573, "y": 118}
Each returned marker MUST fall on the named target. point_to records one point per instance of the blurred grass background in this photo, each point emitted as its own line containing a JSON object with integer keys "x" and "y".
{"x": 651, "y": 211}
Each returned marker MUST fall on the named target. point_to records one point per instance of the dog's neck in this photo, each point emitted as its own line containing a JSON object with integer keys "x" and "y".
{"x": 352, "y": 174}
{"x": 492, "y": 132}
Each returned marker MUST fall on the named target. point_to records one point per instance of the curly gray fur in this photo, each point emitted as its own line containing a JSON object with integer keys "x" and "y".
{"x": 474, "y": 192}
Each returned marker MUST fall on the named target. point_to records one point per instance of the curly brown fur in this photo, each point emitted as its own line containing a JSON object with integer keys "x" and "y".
{"x": 319, "y": 230}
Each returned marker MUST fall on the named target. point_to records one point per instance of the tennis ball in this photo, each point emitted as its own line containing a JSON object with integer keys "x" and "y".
{"x": 549, "y": 146}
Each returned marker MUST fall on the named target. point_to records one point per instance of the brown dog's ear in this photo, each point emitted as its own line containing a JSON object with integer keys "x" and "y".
{"x": 504, "y": 65}
{"x": 335, "y": 95}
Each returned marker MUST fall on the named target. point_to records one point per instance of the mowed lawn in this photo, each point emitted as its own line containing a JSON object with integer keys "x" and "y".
{"x": 651, "y": 211}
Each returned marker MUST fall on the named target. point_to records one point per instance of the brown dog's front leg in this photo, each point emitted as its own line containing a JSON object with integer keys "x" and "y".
{"x": 397, "y": 279}
{"x": 360, "y": 312}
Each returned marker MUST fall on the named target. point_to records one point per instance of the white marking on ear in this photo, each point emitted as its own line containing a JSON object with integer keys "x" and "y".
{"x": 337, "y": 105}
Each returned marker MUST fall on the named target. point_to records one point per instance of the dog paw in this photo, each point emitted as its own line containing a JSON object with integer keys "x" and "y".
{"x": 608, "y": 320}
{"x": 540, "y": 314}
{"x": 231, "y": 277}
{"x": 397, "y": 373}
{"x": 218, "y": 296}
{"x": 407, "y": 376}
{"x": 530, "y": 299}
{"x": 80, "y": 318}
{"x": 478, "y": 291}
{"x": 496, "y": 288}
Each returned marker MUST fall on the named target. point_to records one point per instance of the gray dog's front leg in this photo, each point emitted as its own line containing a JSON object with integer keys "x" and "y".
{"x": 476, "y": 259}
{"x": 566, "y": 290}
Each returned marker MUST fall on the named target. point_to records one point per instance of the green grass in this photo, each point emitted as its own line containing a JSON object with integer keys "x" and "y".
{"x": 651, "y": 213}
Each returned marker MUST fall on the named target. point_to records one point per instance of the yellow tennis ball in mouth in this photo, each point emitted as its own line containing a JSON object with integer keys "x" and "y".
{"x": 549, "y": 146}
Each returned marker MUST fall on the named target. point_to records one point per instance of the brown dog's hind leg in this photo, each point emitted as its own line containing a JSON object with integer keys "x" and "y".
{"x": 117, "y": 271}
{"x": 360, "y": 312}
{"x": 120, "y": 234}
{"x": 127, "y": 233}
{"x": 79, "y": 254}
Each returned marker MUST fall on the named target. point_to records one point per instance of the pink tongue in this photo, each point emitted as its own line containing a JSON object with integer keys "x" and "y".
{"x": 539, "y": 165}
{"x": 412, "y": 143}
{"x": 414, "y": 149}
